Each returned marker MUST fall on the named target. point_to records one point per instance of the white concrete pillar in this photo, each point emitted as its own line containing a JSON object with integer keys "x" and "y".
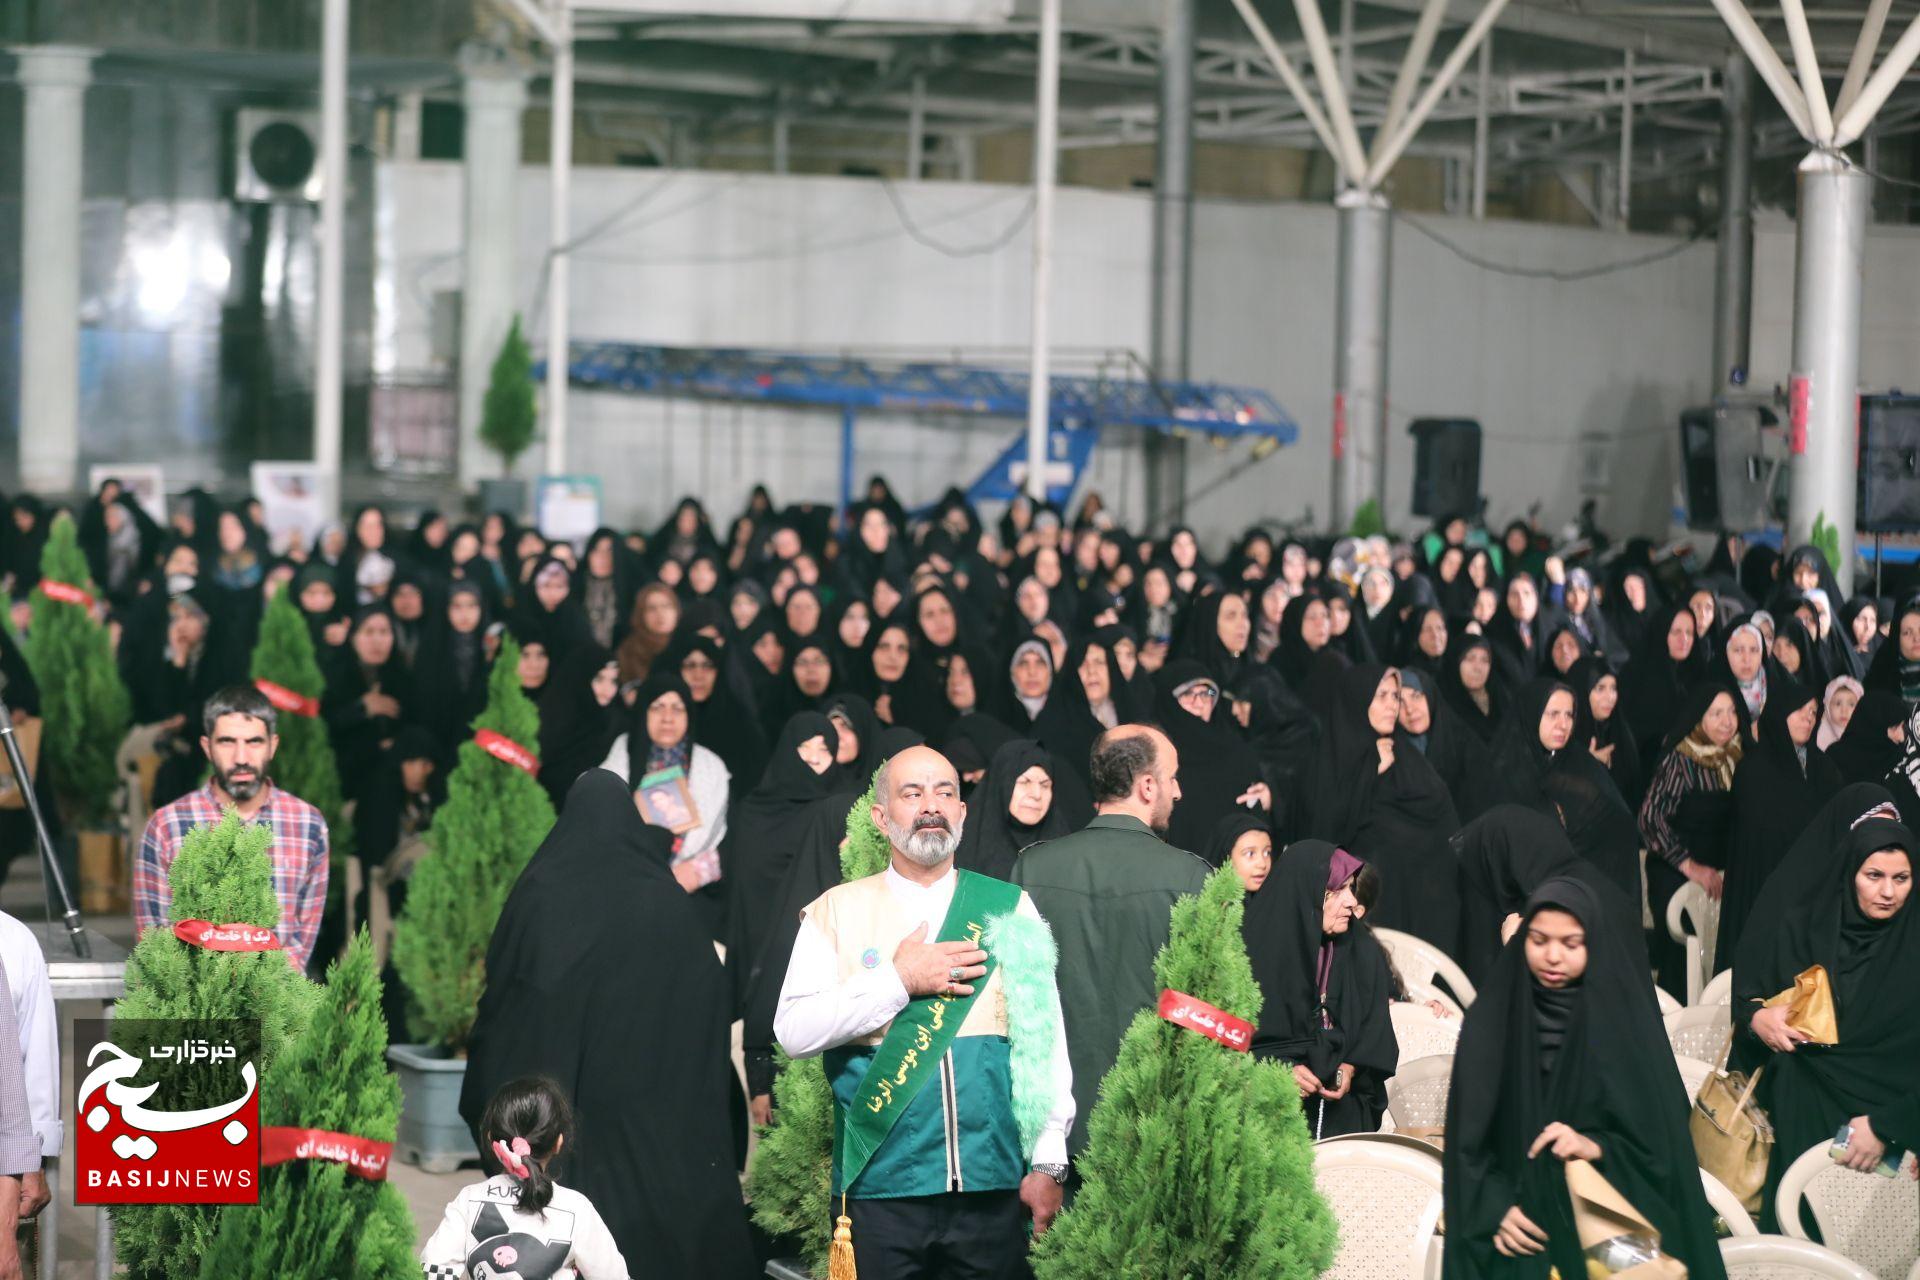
{"x": 55, "y": 80}
{"x": 495, "y": 94}
{"x": 1360, "y": 354}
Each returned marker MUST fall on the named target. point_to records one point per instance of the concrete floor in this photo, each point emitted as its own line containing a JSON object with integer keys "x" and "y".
{"x": 427, "y": 1193}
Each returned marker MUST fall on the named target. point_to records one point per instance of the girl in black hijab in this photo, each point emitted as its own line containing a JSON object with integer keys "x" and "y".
{"x": 1472, "y": 687}
{"x": 858, "y": 752}
{"x": 721, "y": 722}
{"x": 1243, "y": 840}
{"x": 1015, "y": 806}
{"x": 1519, "y": 631}
{"x": 1079, "y": 707}
{"x": 1841, "y": 899}
{"x": 605, "y": 587}
{"x": 453, "y": 681}
{"x": 760, "y": 842}
{"x": 1782, "y": 781}
{"x": 1600, "y": 726}
{"x": 1372, "y": 793}
{"x": 1277, "y": 724}
{"x": 368, "y": 697}
{"x": 1461, "y": 760}
{"x": 1324, "y": 987}
{"x": 549, "y": 607}
{"x": 1218, "y": 772}
{"x": 636, "y": 1036}
{"x": 1542, "y": 765}
{"x": 1563, "y": 1056}
{"x": 1859, "y": 653}
{"x": 1896, "y": 666}
{"x": 1867, "y": 751}
{"x": 1656, "y": 680}
{"x": 580, "y": 715}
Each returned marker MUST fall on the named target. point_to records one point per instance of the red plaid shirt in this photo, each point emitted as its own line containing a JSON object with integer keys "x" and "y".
{"x": 298, "y": 850}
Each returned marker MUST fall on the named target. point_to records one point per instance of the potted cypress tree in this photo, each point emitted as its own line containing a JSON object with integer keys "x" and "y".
{"x": 1198, "y": 1161}
{"x": 85, "y": 707}
{"x": 495, "y": 816}
{"x": 286, "y": 670}
{"x": 507, "y": 418}
{"x": 320, "y": 1218}
{"x": 223, "y": 874}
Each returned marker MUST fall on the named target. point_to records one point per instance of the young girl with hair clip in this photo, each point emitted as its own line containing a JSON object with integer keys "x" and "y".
{"x": 520, "y": 1224}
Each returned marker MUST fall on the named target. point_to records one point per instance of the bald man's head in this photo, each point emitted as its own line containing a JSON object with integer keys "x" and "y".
{"x": 1133, "y": 769}
{"x": 917, "y": 803}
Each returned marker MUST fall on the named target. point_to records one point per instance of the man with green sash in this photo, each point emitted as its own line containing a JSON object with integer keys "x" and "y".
{"x": 930, "y": 993}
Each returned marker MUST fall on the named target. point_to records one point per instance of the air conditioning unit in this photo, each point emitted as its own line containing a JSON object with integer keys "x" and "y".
{"x": 276, "y": 156}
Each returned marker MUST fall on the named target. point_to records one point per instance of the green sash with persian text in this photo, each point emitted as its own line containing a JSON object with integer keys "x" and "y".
{"x": 910, "y": 1054}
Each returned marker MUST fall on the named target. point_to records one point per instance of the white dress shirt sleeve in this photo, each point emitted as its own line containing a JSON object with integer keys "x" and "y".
{"x": 818, "y": 1011}
{"x": 38, "y": 1022}
{"x": 1051, "y": 1146}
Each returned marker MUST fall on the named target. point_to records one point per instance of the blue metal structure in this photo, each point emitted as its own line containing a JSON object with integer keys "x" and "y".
{"x": 1081, "y": 405}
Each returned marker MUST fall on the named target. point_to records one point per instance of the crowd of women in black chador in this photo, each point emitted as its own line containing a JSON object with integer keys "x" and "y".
{"x": 1428, "y": 744}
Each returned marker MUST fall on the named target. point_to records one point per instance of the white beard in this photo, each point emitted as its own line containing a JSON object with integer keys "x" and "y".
{"x": 928, "y": 847}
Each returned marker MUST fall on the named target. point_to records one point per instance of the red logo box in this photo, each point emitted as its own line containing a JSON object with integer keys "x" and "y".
{"x": 167, "y": 1112}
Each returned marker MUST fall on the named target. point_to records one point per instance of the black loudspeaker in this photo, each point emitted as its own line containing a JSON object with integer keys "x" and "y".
{"x": 1446, "y": 466}
{"x": 1889, "y": 475}
{"x": 1727, "y": 465}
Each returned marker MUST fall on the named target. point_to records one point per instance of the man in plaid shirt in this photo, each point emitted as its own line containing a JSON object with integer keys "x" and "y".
{"x": 240, "y": 741}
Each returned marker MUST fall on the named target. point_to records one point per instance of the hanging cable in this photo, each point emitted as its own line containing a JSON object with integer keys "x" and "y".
{"x": 1550, "y": 273}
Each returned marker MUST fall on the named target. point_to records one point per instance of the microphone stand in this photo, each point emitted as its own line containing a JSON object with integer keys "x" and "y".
{"x": 49, "y": 864}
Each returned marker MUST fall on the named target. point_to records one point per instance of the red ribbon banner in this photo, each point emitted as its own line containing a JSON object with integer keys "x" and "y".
{"x": 226, "y": 937}
{"x": 501, "y": 747}
{"x": 1182, "y": 1010}
{"x": 65, "y": 593}
{"x": 364, "y": 1156}
{"x": 285, "y": 699}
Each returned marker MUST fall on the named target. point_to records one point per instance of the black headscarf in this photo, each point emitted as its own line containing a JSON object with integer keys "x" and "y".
{"x": 1280, "y": 729}
{"x": 760, "y": 840}
{"x": 1560, "y": 783}
{"x": 575, "y": 730}
{"x": 1398, "y": 821}
{"x": 1227, "y": 832}
{"x": 866, "y": 729}
{"x": 1505, "y": 855}
{"x": 1456, "y": 754}
{"x": 640, "y": 745}
{"x": 722, "y": 723}
{"x": 1484, "y": 724}
{"x": 1864, "y": 752}
{"x": 1289, "y": 954}
{"x": 991, "y": 838}
{"x": 1612, "y": 1078}
{"x": 1066, "y": 725}
{"x": 1653, "y": 683}
{"x": 1776, "y": 791}
{"x": 1889, "y": 671}
{"x": 1216, "y": 767}
{"x": 1591, "y": 732}
{"x": 570, "y": 996}
{"x": 1809, "y": 914}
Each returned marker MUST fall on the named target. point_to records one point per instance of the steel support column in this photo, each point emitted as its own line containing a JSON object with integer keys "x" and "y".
{"x": 559, "y": 233}
{"x": 1829, "y": 269}
{"x": 1360, "y": 354}
{"x": 1172, "y": 302}
{"x": 1733, "y": 255}
{"x": 329, "y": 331}
{"x": 55, "y": 79}
{"x": 1046, "y": 159}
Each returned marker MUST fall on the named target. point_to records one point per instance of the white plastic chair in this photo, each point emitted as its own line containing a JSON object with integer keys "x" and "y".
{"x": 1873, "y": 1220}
{"x": 1719, "y": 989}
{"x": 1668, "y": 1002}
{"x": 1422, "y": 1033}
{"x": 1704, "y": 1032}
{"x": 1727, "y": 1207}
{"x": 1694, "y": 921}
{"x": 1417, "y": 1094}
{"x": 1386, "y": 1198}
{"x": 1694, "y": 1074}
{"x": 1422, "y": 966}
{"x": 1780, "y": 1258}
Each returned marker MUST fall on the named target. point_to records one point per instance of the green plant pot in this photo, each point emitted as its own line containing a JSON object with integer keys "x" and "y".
{"x": 431, "y": 1134}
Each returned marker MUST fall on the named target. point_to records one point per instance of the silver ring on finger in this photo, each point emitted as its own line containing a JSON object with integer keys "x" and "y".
{"x": 953, "y": 976}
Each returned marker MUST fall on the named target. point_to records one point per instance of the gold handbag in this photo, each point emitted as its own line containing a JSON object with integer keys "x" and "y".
{"x": 1732, "y": 1136}
{"x": 1809, "y": 1004}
